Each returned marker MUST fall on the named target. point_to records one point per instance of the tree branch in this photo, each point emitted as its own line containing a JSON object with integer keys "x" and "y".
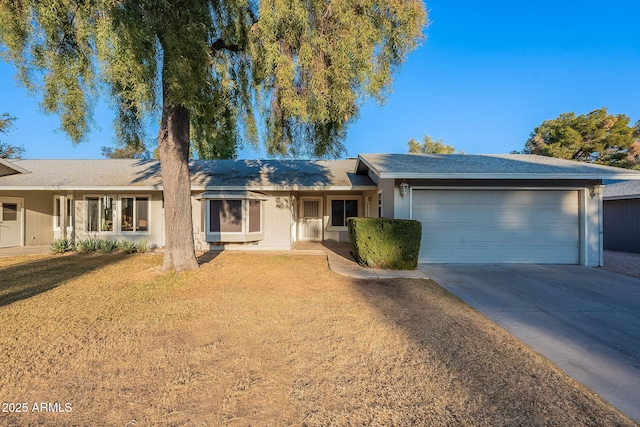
{"x": 222, "y": 45}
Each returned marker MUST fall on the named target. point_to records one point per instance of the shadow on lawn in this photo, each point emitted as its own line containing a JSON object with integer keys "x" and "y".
{"x": 494, "y": 368}
{"x": 31, "y": 278}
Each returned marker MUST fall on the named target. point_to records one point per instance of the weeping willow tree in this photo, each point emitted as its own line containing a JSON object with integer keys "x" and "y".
{"x": 290, "y": 73}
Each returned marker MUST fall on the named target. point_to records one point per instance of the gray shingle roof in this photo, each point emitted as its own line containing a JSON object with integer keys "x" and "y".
{"x": 247, "y": 174}
{"x": 622, "y": 190}
{"x": 486, "y": 166}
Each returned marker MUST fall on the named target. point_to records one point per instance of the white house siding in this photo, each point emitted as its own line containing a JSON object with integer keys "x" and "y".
{"x": 592, "y": 248}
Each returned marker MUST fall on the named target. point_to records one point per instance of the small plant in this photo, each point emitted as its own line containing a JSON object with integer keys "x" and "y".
{"x": 62, "y": 245}
{"x": 143, "y": 246}
{"x": 108, "y": 245}
{"x": 127, "y": 246}
{"x": 88, "y": 245}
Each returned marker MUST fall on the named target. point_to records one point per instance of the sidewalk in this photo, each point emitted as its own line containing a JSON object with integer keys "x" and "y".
{"x": 341, "y": 262}
{"x": 25, "y": 250}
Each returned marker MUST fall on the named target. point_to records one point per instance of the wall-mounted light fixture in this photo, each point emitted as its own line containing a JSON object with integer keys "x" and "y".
{"x": 596, "y": 191}
{"x": 404, "y": 189}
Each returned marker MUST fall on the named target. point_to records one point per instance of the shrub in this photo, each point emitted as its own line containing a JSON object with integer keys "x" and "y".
{"x": 108, "y": 245}
{"x": 60, "y": 246}
{"x": 385, "y": 243}
{"x": 127, "y": 246}
{"x": 142, "y": 246}
{"x": 88, "y": 245}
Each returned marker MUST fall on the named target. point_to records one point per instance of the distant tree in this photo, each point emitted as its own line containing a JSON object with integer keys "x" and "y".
{"x": 126, "y": 152}
{"x": 8, "y": 151}
{"x": 429, "y": 146}
{"x": 595, "y": 137}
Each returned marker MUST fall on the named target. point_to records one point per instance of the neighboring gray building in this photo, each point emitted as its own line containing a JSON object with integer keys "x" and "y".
{"x": 474, "y": 208}
{"x": 622, "y": 216}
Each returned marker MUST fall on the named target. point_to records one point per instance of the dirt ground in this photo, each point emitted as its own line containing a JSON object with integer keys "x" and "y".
{"x": 261, "y": 340}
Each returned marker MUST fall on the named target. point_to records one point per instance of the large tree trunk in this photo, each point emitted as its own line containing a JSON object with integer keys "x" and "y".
{"x": 173, "y": 147}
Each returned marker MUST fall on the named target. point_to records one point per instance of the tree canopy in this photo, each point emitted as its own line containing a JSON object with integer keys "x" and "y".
{"x": 429, "y": 146}
{"x": 8, "y": 151}
{"x": 595, "y": 137}
{"x": 290, "y": 73}
{"x": 303, "y": 66}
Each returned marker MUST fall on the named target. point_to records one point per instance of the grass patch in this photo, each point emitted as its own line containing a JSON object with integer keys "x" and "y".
{"x": 263, "y": 340}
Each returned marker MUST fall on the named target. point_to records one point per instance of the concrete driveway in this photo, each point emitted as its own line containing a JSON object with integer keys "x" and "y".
{"x": 585, "y": 320}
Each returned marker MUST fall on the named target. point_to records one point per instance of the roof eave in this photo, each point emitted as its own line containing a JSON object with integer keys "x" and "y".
{"x": 290, "y": 188}
{"x": 366, "y": 164}
{"x": 518, "y": 176}
{"x": 13, "y": 166}
{"x": 83, "y": 188}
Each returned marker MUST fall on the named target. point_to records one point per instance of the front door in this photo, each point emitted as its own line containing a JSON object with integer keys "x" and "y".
{"x": 311, "y": 218}
{"x": 10, "y": 222}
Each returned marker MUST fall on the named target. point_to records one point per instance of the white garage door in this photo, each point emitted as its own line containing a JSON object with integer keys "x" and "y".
{"x": 504, "y": 226}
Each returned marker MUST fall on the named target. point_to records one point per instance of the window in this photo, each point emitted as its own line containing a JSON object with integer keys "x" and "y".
{"x": 379, "y": 204}
{"x": 134, "y": 214}
{"x": 254, "y": 217}
{"x": 225, "y": 216}
{"x": 102, "y": 215}
{"x": 234, "y": 219}
{"x": 9, "y": 211}
{"x": 341, "y": 209}
{"x": 58, "y": 211}
{"x": 99, "y": 214}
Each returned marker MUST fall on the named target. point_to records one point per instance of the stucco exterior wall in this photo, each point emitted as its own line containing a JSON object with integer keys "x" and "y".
{"x": 38, "y": 215}
{"x": 593, "y": 230}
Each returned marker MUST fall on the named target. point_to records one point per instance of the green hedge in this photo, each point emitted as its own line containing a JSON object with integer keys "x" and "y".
{"x": 385, "y": 243}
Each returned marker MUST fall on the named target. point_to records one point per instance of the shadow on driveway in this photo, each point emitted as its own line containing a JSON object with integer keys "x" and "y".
{"x": 586, "y": 321}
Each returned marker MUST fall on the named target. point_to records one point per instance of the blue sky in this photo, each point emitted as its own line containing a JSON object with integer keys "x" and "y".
{"x": 486, "y": 75}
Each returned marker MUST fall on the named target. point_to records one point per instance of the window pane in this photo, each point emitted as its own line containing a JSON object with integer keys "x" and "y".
{"x": 337, "y": 213}
{"x": 126, "y": 220}
{"x": 9, "y": 211}
{"x": 142, "y": 214}
{"x": 56, "y": 212}
{"x": 69, "y": 211}
{"x": 93, "y": 213}
{"x": 254, "y": 216}
{"x": 351, "y": 209}
{"x": 225, "y": 216}
{"x": 106, "y": 214}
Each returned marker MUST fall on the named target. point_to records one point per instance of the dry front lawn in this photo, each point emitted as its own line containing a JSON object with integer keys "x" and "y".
{"x": 261, "y": 340}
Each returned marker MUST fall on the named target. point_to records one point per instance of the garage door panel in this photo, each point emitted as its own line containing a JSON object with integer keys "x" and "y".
{"x": 502, "y": 226}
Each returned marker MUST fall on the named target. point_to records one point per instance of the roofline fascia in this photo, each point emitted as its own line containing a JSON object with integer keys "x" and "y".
{"x": 368, "y": 165}
{"x": 193, "y": 188}
{"x": 542, "y": 176}
{"x": 74, "y": 188}
{"x": 13, "y": 166}
{"x": 290, "y": 188}
{"x": 624, "y": 197}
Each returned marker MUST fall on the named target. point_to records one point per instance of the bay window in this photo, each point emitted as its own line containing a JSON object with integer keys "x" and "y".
{"x": 232, "y": 216}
